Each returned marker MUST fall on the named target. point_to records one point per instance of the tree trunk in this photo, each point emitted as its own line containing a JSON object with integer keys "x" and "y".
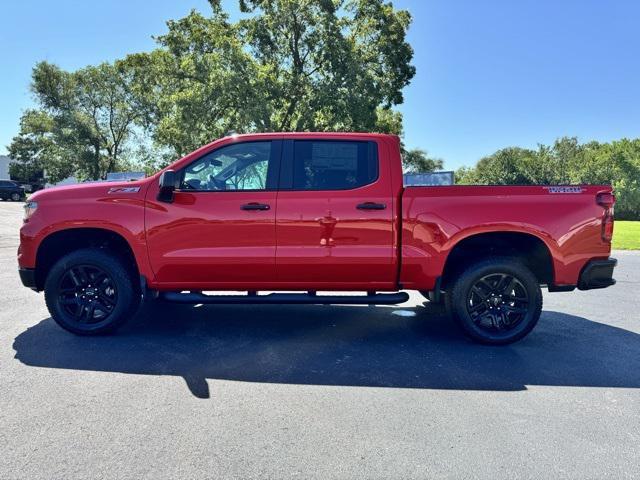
{"x": 96, "y": 174}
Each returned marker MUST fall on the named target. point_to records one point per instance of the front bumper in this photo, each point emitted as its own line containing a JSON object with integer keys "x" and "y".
{"x": 597, "y": 274}
{"x": 28, "y": 278}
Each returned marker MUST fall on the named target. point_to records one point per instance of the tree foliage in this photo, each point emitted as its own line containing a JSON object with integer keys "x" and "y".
{"x": 418, "y": 161}
{"x": 33, "y": 147}
{"x": 566, "y": 162}
{"x": 290, "y": 65}
{"x": 82, "y": 123}
{"x": 286, "y": 65}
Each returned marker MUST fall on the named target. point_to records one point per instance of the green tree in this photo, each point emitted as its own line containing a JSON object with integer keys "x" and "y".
{"x": 616, "y": 163}
{"x": 33, "y": 148}
{"x": 198, "y": 86}
{"x": 505, "y": 167}
{"x": 567, "y": 162}
{"x": 290, "y": 65}
{"x": 466, "y": 176}
{"x": 81, "y": 125}
{"x": 418, "y": 161}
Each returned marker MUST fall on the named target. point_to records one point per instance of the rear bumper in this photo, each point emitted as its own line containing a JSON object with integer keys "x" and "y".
{"x": 597, "y": 274}
{"x": 28, "y": 277}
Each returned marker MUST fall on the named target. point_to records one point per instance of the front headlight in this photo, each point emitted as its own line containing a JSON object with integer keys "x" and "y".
{"x": 29, "y": 209}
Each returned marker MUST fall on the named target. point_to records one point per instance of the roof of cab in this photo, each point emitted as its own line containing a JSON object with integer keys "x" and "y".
{"x": 313, "y": 134}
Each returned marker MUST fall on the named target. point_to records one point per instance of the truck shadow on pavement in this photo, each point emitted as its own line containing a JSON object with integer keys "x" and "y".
{"x": 394, "y": 347}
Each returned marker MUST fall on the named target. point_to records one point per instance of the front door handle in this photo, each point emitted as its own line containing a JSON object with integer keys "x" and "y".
{"x": 255, "y": 206}
{"x": 371, "y": 206}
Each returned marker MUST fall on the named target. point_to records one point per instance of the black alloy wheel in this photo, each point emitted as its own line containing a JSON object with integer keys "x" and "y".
{"x": 91, "y": 291}
{"x": 496, "y": 301}
{"x": 87, "y": 294}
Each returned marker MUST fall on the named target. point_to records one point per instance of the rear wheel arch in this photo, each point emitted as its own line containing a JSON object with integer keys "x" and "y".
{"x": 529, "y": 249}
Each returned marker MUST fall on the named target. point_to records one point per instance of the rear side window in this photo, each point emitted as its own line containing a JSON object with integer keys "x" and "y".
{"x": 334, "y": 165}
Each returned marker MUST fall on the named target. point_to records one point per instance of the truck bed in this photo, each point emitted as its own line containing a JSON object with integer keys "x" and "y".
{"x": 565, "y": 218}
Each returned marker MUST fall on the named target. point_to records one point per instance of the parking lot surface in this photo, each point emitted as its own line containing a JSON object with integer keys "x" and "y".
{"x": 319, "y": 391}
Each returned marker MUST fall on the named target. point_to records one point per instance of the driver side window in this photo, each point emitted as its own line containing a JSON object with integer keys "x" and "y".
{"x": 240, "y": 166}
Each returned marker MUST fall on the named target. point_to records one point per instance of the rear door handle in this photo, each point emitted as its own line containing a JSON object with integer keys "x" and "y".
{"x": 255, "y": 206}
{"x": 371, "y": 206}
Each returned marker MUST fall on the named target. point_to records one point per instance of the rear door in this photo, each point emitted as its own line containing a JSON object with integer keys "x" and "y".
{"x": 334, "y": 222}
{"x": 219, "y": 232}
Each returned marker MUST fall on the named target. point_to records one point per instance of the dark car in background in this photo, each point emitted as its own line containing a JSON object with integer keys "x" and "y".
{"x": 10, "y": 190}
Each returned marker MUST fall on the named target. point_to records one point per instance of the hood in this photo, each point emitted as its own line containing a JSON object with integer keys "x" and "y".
{"x": 88, "y": 189}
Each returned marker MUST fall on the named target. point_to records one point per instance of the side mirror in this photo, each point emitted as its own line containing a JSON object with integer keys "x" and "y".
{"x": 167, "y": 186}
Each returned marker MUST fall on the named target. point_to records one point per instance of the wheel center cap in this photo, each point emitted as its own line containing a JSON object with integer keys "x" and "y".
{"x": 496, "y": 301}
{"x": 90, "y": 291}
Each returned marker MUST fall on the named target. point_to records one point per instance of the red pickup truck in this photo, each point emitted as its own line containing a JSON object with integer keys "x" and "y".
{"x": 307, "y": 213}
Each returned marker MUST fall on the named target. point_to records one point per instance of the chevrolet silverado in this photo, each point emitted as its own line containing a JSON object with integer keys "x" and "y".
{"x": 307, "y": 216}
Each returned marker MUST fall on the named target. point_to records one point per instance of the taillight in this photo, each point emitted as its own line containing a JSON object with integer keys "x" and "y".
{"x": 606, "y": 200}
{"x": 607, "y": 228}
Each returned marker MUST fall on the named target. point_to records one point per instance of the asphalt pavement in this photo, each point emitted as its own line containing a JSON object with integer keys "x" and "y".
{"x": 319, "y": 391}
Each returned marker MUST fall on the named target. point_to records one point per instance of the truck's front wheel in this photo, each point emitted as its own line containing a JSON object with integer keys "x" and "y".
{"x": 496, "y": 301}
{"x": 90, "y": 292}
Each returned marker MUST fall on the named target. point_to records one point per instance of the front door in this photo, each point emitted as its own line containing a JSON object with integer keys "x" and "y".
{"x": 219, "y": 232}
{"x": 335, "y": 217}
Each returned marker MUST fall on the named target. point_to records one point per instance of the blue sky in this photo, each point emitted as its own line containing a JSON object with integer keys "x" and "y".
{"x": 490, "y": 73}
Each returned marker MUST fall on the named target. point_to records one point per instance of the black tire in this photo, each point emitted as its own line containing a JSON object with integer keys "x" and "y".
{"x": 496, "y": 301}
{"x": 15, "y": 197}
{"x": 430, "y": 295}
{"x": 86, "y": 308}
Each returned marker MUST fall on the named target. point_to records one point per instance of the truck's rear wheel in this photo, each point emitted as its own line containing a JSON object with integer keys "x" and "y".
{"x": 89, "y": 292}
{"x": 496, "y": 301}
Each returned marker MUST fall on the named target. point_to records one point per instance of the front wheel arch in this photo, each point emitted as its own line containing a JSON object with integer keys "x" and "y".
{"x": 62, "y": 242}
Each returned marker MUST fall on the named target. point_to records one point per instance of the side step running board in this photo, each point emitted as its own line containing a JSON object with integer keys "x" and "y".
{"x": 289, "y": 298}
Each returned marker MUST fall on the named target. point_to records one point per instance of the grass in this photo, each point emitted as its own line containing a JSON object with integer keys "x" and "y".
{"x": 626, "y": 235}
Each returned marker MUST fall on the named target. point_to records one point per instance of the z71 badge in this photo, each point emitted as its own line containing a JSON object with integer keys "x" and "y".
{"x": 565, "y": 189}
{"x": 124, "y": 190}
